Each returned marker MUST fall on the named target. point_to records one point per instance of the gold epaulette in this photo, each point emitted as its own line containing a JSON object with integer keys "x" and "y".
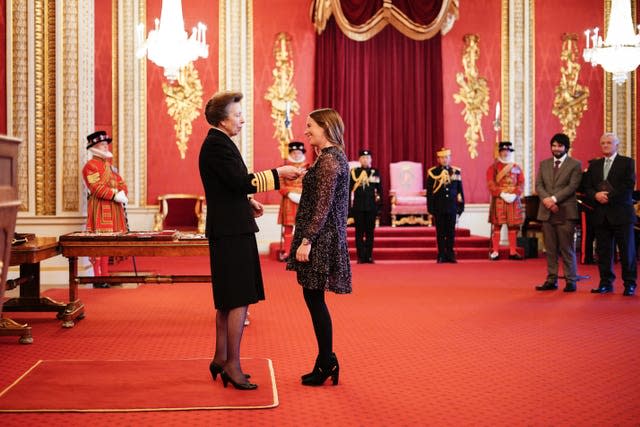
{"x": 263, "y": 181}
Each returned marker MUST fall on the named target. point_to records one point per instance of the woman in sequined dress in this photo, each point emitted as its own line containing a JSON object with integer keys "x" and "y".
{"x": 319, "y": 252}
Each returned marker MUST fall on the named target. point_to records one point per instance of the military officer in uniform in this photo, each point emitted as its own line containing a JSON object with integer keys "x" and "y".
{"x": 445, "y": 201}
{"x": 291, "y": 191}
{"x": 366, "y": 193}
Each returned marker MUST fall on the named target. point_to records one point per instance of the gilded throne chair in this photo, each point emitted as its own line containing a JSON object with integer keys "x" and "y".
{"x": 408, "y": 195}
{"x": 184, "y": 212}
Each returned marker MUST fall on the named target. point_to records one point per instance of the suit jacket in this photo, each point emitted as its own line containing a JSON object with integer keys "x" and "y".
{"x": 620, "y": 183}
{"x": 226, "y": 185}
{"x": 563, "y": 186}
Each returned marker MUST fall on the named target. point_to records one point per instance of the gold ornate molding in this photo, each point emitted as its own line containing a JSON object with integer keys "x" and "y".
{"x": 388, "y": 14}
{"x": 20, "y": 98}
{"x": 45, "y": 106}
{"x": 571, "y": 98}
{"x": 282, "y": 92}
{"x": 473, "y": 93}
{"x": 184, "y": 101}
{"x": 70, "y": 171}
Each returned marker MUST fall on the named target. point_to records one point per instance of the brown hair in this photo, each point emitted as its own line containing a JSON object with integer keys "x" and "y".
{"x": 331, "y": 122}
{"x": 217, "y": 107}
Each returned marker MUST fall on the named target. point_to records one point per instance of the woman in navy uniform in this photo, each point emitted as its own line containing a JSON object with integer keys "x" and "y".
{"x": 231, "y": 228}
{"x": 445, "y": 201}
{"x": 366, "y": 193}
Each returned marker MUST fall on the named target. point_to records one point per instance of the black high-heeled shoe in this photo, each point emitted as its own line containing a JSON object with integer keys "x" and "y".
{"x": 322, "y": 372}
{"x": 239, "y": 386}
{"x": 216, "y": 369}
{"x": 316, "y": 367}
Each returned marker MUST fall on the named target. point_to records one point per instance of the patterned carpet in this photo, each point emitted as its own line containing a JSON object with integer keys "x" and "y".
{"x": 418, "y": 344}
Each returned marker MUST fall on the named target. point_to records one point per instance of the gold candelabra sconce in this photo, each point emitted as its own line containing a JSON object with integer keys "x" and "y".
{"x": 282, "y": 93}
{"x": 184, "y": 100}
{"x": 571, "y": 98}
{"x": 473, "y": 93}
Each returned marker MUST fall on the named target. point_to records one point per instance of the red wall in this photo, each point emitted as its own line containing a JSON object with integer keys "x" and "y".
{"x": 551, "y": 23}
{"x": 167, "y": 172}
{"x": 270, "y": 18}
{"x": 103, "y": 115}
{"x": 484, "y": 19}
{"x": 3, "y": 70}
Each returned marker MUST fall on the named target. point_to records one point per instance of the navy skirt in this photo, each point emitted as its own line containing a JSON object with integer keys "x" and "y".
{"x": 235, "y": 271}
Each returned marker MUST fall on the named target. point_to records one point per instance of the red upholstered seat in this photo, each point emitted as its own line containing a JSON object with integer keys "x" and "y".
{"x": 408, "y": 196}
{"x": 184, "y": 212}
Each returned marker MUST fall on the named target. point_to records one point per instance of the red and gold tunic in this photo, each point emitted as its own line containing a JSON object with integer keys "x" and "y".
{"x": 288, "y": 209}
{"x": 103, "y": 182}
{"x": 508, "y": 178}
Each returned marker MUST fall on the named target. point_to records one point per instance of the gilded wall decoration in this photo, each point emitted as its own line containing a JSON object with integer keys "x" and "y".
{"x": 282, "y": 93}
{"x": 571, "y": 98}
{"x": 184, "y": 100}
{"x": 473, "y": 93}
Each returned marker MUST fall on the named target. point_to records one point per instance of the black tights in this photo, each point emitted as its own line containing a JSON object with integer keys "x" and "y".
{"x": 321, "y": 319}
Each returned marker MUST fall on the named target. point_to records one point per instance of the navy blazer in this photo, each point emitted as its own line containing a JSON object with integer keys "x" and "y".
{"x": 226, "y": 185}
{"x": 620, "y": 183}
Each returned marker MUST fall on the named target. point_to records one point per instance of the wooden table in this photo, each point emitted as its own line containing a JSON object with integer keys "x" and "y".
{"x": 75, "y": 245}
{"x": 28, "y": 257}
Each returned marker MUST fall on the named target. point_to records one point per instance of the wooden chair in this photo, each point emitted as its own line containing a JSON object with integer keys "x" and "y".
{"x": 408, "y": 195}
{"x": 184, "y": 212}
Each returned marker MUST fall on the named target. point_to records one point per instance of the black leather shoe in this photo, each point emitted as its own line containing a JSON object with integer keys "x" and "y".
{"x": 546, "y": 286}
{"x": 516, "y": 257}
{"x": 452, "y": 260}
{"x": 440, "y": 260}
{"x": 495, "y": 257}
{"x": 629, "y": 291}
{"x": 602, "y": 289}
{"x": 360, "y": 261}
{"x": 569, "y": 287}
{"x": 370, "y": 261}
{"x": 101, "y": 285}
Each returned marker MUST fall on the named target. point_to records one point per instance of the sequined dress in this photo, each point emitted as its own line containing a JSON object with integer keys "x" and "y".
{"x": 322, "y": 219}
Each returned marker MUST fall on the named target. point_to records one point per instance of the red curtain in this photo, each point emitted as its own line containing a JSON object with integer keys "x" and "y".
{"x": 388, "y": 90}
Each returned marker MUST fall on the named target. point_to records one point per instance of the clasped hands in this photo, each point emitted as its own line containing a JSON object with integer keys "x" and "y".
{"x": 508, "y": 197}
{"x": 550, "y": 204}
{"x": 602, "y": 197}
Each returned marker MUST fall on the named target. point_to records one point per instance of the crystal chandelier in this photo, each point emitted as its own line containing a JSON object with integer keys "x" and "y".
{"x": 619, "y": 53}
{"x": 168, "y": 45}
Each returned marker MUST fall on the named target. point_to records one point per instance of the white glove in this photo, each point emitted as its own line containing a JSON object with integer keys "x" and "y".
{"x": 507, "y": 197}
{"x": 120, "y": 197}
{"x": 294, "y": 197}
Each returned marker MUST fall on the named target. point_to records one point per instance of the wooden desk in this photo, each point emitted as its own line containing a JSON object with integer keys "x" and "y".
{"x": 75, "y": 245}
{"x": 28, "y": 257}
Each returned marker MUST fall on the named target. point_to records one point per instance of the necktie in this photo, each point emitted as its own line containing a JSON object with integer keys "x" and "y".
{"x": 607, "y": 167}
{"x": 556, "y": 167}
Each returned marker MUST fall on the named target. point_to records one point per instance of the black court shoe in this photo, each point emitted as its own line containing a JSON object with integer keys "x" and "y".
{"x": 239, "y": 386}
{"x": 216, "y": 369}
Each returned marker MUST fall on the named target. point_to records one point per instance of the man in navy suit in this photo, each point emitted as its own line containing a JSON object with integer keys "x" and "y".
{"x": 611, "y": 182}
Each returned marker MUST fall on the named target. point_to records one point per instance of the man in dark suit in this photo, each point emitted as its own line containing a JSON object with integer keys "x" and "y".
{"x": 611, "y": 183}
{"x": 445, "y": 201}
{"x": 556, "y": 184}
{"x": 366, "y": 193}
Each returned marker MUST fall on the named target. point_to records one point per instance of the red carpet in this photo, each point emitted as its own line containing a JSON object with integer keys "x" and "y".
{"x": 419, "y": 343}
{"x": 413, "y": 244}
{"x": 130, "y": 386}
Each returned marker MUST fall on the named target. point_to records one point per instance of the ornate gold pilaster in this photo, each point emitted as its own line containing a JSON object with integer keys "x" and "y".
{"x": 115, "y": 79}
{"x": 45, "y": 106}
{"x": 620, "y": 112}
{"x": 518, "y": 77}
{"x": 70, "y": 170}
{"x": 19, "y": 88}
{"x": 141, "y": 119}
{"x": 127, "y": 97}
{"x": 235, "y": 35}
